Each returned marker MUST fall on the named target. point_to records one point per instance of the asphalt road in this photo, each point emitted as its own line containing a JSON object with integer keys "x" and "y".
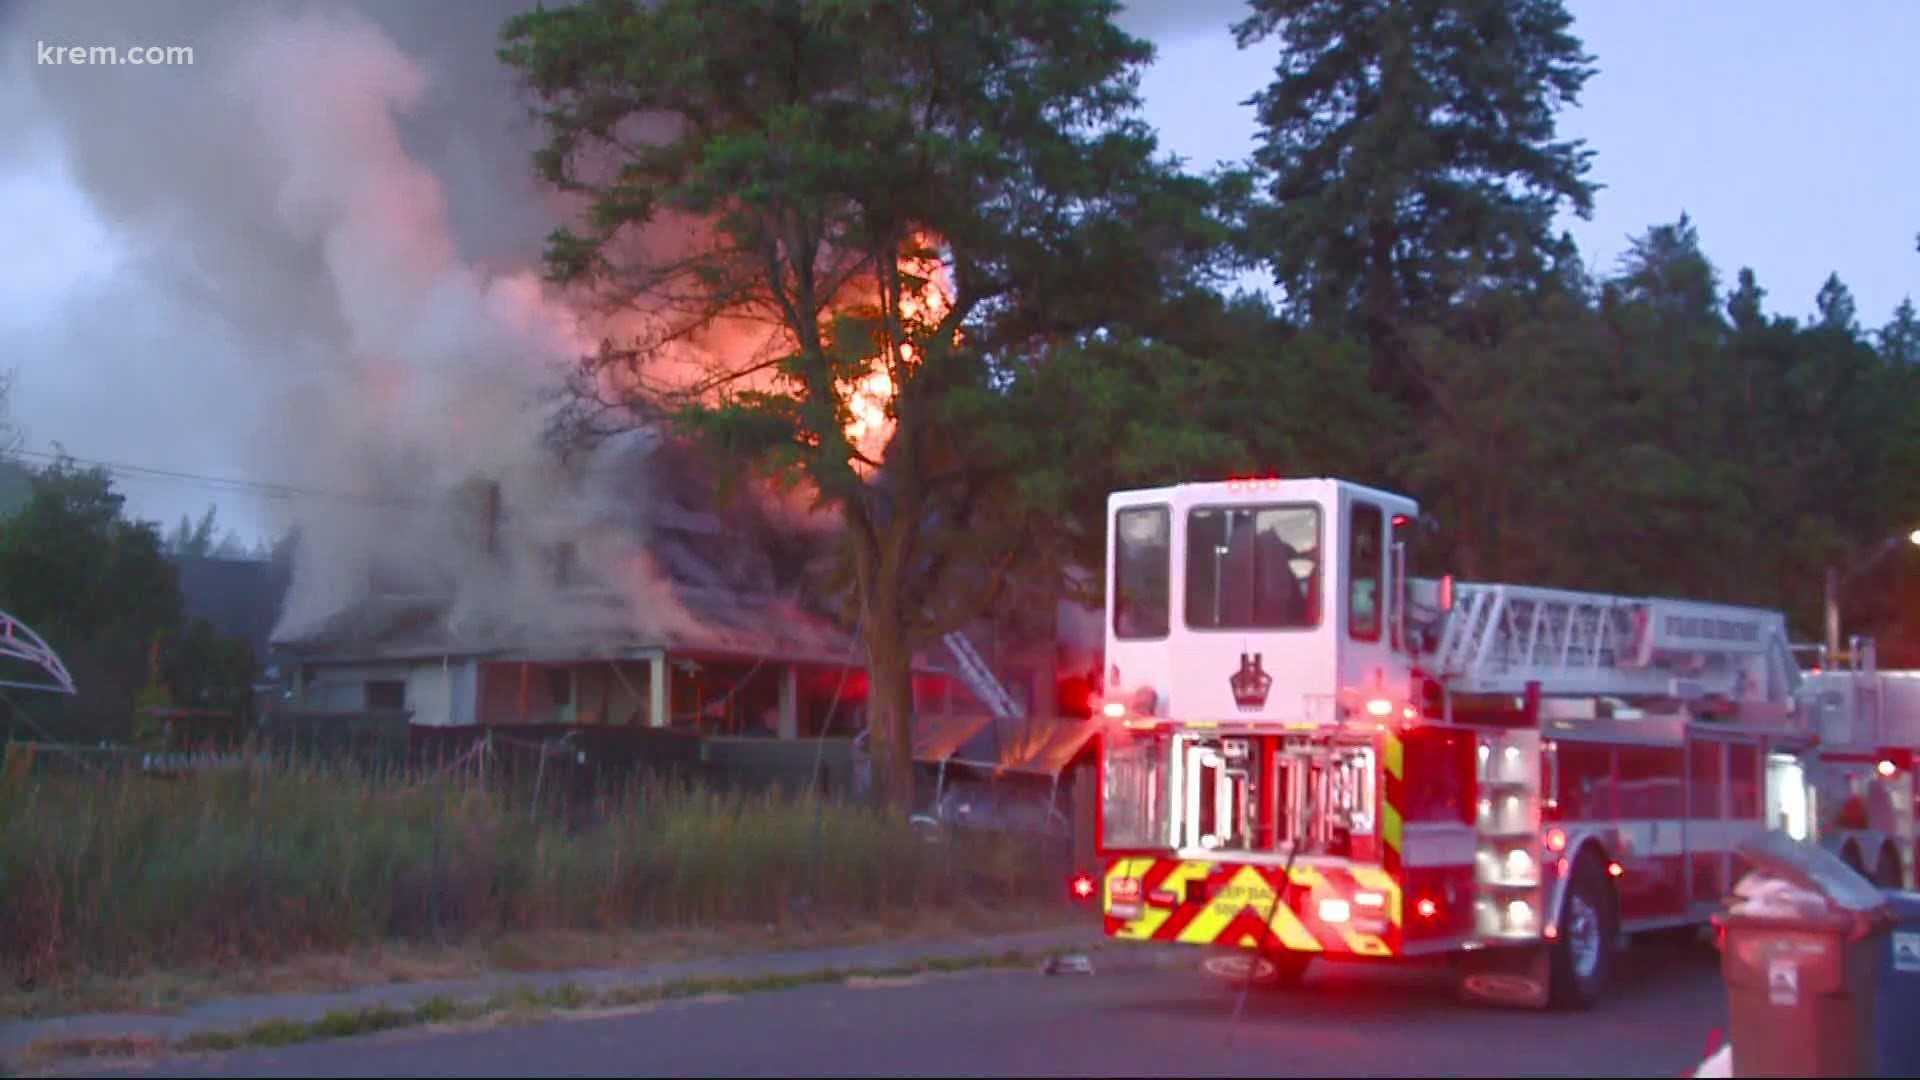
{"x": 1345, "y": 1020}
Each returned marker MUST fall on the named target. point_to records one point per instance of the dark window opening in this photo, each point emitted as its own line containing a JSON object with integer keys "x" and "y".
{"x": 386, "y": 694}
{"x": 1142, "y": 572}
{"x": 1256, "y": 568}
{"x": 560, "y": 685}
{"x": 1365, "y": 573}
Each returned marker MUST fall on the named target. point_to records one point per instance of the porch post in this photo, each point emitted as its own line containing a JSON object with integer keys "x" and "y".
{"x": 790, "y": 702}
{"x": 657, "y": 696}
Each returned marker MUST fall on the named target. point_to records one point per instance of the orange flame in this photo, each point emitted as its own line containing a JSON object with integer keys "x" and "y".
{"x": 870, "y": 397}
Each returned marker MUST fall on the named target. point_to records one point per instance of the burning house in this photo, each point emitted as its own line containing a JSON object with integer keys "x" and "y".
{"x": 685, "y": 612}
{"x": 703, "y": 617}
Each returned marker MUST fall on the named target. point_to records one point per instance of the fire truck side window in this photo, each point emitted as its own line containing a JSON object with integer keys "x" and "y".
{"x": 1142, "y": 572}
{"x": 1253, "y": 568}
{"x": 1365, "y": 571}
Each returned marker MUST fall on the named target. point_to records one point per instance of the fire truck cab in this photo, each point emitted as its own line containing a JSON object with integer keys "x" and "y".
{"x": 1307, "y": 753}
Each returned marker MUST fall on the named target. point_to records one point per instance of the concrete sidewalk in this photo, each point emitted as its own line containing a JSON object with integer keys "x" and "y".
{"x": 236, "y": 1014}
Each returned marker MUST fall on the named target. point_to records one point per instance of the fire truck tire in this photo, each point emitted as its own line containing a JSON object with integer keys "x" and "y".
{"x": 1888, "y": 873}
{"x": 1850, "y": 855}
{"x": 1581, "y": 958}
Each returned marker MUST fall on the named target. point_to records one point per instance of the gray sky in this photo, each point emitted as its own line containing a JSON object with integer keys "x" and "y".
{"x": 141, "y": 297}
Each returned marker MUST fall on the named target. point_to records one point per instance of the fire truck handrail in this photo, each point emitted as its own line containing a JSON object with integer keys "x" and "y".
{"x": 979, "y": 678}
{"x": 19, "y": 642}
{"x": 1499, "y": 638}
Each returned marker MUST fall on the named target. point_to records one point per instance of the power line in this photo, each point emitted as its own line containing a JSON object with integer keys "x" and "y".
{"x": 263, "y": 488}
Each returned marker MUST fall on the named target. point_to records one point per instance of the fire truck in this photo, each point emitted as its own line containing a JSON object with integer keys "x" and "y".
{"x": 1306, "y": 753}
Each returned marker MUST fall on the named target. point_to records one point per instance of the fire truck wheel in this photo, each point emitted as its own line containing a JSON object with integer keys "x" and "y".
{"x": 1582, "y": 956}
{"x": 1850, "y": 855}
{"x": 1888, "y": 873}
{"x": 1277, "y": 970}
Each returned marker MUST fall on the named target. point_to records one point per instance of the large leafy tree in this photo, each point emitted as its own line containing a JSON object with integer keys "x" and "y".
{"x": 95, "y": 585}
{"x": 1410, "y": 152}
{"x": 949, "y": 206}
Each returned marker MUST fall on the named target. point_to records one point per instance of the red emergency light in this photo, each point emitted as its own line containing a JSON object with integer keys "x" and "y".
{"x": 1083, "y": 887}
{"x": 1253, "y": 483}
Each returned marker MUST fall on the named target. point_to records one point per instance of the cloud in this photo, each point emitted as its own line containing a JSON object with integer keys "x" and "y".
{"x": 1172, "y": 20}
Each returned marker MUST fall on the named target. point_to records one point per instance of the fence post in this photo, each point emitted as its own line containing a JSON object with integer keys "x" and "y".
{"x": 439, "y": 812}
{"x": 259, "y": 847}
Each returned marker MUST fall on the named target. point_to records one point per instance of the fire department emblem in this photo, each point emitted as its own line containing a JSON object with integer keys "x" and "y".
{"x": 1250, "y": 684}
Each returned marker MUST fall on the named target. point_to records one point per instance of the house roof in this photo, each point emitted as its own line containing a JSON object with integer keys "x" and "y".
{"x": 1040, "y": 746}
{"x": 726, "y": 580}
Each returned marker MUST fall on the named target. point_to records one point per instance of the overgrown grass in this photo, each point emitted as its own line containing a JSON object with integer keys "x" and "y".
{"x": 127, "y": 874}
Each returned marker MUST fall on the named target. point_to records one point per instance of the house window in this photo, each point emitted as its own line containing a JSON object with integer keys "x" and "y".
{"x": 560, "y": 686}
{"x": 386, "y": 694}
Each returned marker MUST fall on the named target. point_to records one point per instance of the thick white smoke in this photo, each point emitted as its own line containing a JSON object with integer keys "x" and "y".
{"x": 295, "y": 281}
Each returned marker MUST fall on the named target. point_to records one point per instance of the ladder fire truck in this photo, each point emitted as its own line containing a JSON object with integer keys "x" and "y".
{"x": 1307, "y": 753}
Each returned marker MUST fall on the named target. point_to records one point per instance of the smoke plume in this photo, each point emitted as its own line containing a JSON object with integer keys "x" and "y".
{"x": 329, "y": 230}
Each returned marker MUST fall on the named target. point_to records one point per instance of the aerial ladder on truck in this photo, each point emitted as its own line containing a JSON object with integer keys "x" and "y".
{"x": 1308, "y": 754}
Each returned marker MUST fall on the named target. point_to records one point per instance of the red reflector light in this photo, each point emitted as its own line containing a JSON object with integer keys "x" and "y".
{"x": 1556, "y": 840}
{"x": 1370, "y": 899}
{"x": 1427, "y": 908}
{"x": 1551, "y": 933}
{"x": 1162, "y": 898}
{"x": 1615, "y": 869}
{"x": 1082, "y": 887}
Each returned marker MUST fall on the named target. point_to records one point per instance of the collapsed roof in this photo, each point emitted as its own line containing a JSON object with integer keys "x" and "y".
{"x": 684, "y": 570}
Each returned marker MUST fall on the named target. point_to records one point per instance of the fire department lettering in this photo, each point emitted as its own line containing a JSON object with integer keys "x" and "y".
{"x": 1243, "y": 894}
{"x": 1706, "y": 629}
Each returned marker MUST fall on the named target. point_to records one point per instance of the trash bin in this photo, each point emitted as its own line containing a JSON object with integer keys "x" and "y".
{"x": 1801, "y": 959}
{"x": 1898, "y": 1004}
{"x": 1800, "y": 994}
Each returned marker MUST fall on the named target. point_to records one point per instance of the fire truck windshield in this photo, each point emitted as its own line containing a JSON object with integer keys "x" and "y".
{"x": 1253, "y": 568}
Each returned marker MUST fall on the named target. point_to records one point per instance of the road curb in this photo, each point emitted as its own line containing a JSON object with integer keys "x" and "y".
{"x": 290, "y": 1018}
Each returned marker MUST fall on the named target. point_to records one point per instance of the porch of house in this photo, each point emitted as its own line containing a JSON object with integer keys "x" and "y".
{"x": 703, "y": 694}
